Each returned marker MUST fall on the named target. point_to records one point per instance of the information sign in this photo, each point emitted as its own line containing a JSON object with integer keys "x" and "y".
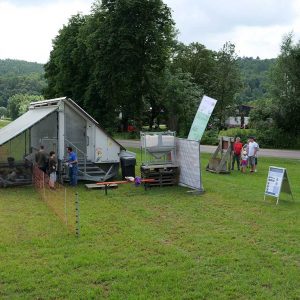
{"x": 277, "y": 182}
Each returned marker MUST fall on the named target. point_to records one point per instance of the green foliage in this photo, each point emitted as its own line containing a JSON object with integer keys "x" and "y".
{"x": 106, "y": 61}
{"x": 242, "y": 133}
{"x": 20, "y": 77}
{"x": 19, "y": 103}
{"x": 210, "y": 137}
{"x": 227, "y": 82}
{"x": 286, "y": 88}
{"x": 157, "y": 244}
{"x": 255, "y": 76}
{"x": 196, "y": 60}
{"x": 13, "y": 67}
{"x": 3, "y": 112}
{"x": 181, "y": 100}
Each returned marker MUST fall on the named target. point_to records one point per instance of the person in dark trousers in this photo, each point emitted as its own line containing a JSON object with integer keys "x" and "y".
{"x": 41, "y": 159}
{"x": 73, "y": 166}
{"x": 237, "y": 148}
{"x": 52, "y": 169}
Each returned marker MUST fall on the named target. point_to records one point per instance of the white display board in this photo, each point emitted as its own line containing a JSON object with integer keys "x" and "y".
{"x": 277, "y": 182}
{"x": 188, "y": 159}
{"x": 201, "y": 119}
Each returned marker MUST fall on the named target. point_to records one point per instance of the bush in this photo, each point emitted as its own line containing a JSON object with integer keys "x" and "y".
{"x": 210, "y": 137}
{"x": 274, "y": 138}
{"x": 238, "y": 132}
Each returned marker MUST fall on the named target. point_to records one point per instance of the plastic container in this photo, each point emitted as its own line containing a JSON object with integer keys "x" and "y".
{"x": 128, "y": 166}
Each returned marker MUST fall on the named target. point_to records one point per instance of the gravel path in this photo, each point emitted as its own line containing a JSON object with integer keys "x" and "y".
{"x": 210, "y": 149}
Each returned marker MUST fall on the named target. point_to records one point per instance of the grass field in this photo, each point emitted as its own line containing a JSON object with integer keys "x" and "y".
{"x": 157, "y": 244}
{"x": 4, "y": 122}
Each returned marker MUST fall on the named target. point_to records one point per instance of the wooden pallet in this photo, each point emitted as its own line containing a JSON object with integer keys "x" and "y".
{"x": 163, "y": 175}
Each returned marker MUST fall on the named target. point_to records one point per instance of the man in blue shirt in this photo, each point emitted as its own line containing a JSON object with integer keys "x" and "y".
{"x": 73, "y": 166}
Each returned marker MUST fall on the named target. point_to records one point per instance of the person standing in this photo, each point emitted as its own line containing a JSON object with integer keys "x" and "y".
{"x": 237, "y": 148}
{"x": 73, "y": 167}
{"x": 252, "y": 150}
{"x": 244, "y": 161}
{"x": 255, "y": 167}
{"x": 41, "y": 159}
{"x": 52, "y": 169}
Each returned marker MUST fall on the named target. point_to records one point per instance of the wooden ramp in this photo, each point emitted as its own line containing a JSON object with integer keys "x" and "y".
{"x": 220, "y": 162}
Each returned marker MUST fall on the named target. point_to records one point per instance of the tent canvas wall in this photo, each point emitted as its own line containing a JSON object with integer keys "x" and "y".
{"x": 56, "y": 124}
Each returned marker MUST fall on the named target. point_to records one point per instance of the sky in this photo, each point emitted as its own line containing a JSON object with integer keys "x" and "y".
{"x": 256, "y": 27}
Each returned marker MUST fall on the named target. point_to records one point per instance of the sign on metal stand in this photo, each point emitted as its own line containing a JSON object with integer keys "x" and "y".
{"x": 277, "y": 182}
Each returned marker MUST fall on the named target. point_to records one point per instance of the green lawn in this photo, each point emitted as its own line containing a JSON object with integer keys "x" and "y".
{"x": 4, "y": 122}
{"x": 157, "y": 244}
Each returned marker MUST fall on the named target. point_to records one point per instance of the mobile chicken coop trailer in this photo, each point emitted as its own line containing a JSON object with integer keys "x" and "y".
{"x": 57, "y": 124}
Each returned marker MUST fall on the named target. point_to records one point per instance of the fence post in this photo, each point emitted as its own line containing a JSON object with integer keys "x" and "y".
{"x": 66, "y": 209}
{"x": 77, "y": 215}
{"x": 44, "y": 191}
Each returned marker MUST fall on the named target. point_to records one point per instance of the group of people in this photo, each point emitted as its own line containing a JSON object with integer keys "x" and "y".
{"x": 245, "y": 155}
{"x": 48, "y": 164}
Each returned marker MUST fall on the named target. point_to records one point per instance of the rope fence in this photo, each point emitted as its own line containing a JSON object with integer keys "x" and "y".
{"x": 60, "y": 200}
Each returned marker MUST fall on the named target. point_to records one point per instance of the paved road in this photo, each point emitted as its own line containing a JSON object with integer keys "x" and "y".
{"x": 210, "y": 149}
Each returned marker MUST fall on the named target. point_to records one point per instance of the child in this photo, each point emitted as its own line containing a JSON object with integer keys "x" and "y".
{"x": 52, "y": 170}
{"x": 244, "y": 161}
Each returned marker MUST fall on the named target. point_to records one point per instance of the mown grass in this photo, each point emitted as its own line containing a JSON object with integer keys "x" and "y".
{"x": 4, "y": 122}
{"x": 157, "y": 244}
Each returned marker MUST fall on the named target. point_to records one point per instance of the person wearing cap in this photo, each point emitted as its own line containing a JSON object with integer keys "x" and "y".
{"x": 252, "y": 150}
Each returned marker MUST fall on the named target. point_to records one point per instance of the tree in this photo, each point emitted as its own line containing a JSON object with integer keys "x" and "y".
{"x": 3, "y": 112}
{"x": 107, "y": 59}
{"x": 196, "y": 60}
{"x": 286, "y": 88}
{"x": 63, "y": 72}
{"x": 226, "y": 82}
{"x": 19, "y": 104}
{"x": 181, "y": 100}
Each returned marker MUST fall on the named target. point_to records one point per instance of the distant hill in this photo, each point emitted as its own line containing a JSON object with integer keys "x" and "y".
{"x": 256, "y": 76}
{"x": 10, "y": 67}
{"x": 20, "y": 77}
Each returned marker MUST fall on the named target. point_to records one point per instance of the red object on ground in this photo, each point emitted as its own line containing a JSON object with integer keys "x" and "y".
{"x": 130, "y": 128}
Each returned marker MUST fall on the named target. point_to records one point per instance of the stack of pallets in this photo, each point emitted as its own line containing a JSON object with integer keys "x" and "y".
{"x": 163, "y": 175}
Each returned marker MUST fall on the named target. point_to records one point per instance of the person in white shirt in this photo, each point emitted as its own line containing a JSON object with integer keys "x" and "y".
{"x": 252, "y": 149}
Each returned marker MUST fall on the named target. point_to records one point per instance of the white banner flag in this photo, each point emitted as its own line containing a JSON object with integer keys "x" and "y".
{"x": 201, "y": 119}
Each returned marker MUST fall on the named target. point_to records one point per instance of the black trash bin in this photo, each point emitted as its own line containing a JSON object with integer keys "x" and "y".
{"x": 128, "y": 166}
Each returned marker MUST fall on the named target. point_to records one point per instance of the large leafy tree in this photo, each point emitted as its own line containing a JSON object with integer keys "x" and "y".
{"x": 107, "y": 59}
{"x": 286, "y": 88}
{"x": 182, "y": 98}
{"x": 64, "y": 72}
{"x": 226, "y": 82}
{"x": 196, "y": 60}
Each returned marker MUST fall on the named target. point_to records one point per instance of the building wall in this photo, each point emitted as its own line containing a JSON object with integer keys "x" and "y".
{"x": 106, "y": 149}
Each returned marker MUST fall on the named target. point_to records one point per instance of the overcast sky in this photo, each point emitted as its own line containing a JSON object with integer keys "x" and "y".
{"x": 256, "y": 27}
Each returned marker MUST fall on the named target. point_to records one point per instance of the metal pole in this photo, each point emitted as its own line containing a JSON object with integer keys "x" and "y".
{"x": 44, "y": 191}
{"x": 77, "y": 215}
{"x": 66, "y": 211}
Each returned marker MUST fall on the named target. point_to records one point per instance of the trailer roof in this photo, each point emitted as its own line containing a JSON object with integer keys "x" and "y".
{"x": 24, "y": 122}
